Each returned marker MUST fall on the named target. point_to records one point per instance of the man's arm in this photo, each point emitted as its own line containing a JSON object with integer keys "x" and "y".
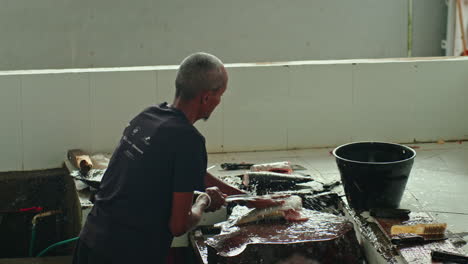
{"x": 211, "y": 181}
{"x": 184, "y": 215}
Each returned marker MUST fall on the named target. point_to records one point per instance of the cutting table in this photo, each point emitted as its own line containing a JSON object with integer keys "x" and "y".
{"x": 371, "y": 232}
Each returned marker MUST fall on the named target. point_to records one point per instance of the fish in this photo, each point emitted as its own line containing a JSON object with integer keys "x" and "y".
{"x": 242, "y": 198}
{"x": 272, "y": 178}
{"x": 289, "y": 211}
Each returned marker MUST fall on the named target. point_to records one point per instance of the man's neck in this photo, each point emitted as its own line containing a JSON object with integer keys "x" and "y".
{"x": 189, "y": 108}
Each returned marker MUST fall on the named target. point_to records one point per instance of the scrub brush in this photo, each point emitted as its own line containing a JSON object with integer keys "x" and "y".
{"x": 420, "y": 229}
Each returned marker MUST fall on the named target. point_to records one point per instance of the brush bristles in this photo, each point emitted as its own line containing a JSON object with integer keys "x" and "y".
{"x": 434, "y": 229}
{"x": 420, "y": 229}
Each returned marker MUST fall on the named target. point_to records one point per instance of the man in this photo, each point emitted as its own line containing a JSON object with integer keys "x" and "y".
{"x": 146, "y": 195}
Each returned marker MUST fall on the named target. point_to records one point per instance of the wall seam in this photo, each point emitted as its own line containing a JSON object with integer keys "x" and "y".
{"x": 91, "y": 119}
{"x": 353, "y": 100}
{"x": 288, "y": 118}
{"x": 156, "y": 77}
{"x": 222, "y": 128}
{"x": 21, "y": 137}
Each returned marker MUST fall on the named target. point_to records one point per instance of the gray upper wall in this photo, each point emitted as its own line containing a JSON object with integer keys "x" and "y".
{"x": 112, "y": 33}
{"x": 429, "y": 27}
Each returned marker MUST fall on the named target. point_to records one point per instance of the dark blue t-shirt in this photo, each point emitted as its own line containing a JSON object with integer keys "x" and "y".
{"x": 160, "y": 152}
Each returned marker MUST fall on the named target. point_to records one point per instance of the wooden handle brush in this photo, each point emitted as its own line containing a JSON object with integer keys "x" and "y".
{"x": 419, "y": 229}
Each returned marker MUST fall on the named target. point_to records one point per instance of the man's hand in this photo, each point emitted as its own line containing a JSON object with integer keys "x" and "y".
{"x": 267, "y": 201}
{"x": 218, "y": 198}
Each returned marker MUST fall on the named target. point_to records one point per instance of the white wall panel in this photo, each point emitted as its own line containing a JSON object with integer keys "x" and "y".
{"x": 319, "y": 105}
{"x": 401, "y": 102}
{"x": 305, "y": 104}
{"x": 384, "y": 101}
{"x": 440, "y": 102}
{"x": 256, "y": 109}
{"x": 116, "y": 98}
{"x": 56, "y": 117}
{"x": 11, "y": 151}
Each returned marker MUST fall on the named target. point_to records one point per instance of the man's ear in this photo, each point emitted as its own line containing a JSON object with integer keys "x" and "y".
{"x": 204, "y": 97}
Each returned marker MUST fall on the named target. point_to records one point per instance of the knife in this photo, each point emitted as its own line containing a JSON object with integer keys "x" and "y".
{"x": 241, "y": 198}
{"x": 408, "y": 239}
{"x": 445, "y": 256}
{"x": 249, "y": 197}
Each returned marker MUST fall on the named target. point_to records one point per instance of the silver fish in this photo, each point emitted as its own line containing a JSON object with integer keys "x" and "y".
{"x": 292, "y": 203}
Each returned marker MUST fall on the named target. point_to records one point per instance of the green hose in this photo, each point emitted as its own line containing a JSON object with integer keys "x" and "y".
{"x": 56, "y": 245}
{"x": 33, "y": 229}
{"x": 32, "y": 241}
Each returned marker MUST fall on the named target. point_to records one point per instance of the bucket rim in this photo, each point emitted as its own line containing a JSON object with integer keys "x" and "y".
{"x": 379, "y": 163}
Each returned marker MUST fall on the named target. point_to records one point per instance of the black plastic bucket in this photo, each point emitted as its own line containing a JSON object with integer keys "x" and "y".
{"x": 374, "y": 174}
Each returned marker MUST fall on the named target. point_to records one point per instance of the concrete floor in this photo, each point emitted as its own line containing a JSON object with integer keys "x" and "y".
{"x": 438, "y": 182}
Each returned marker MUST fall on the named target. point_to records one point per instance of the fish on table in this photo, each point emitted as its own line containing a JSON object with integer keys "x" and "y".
{"x": 272, "y": 178}
{"x": 290, "y": 211}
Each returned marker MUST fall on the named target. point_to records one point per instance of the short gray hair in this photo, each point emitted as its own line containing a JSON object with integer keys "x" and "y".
{"x": 199, "y": 72}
